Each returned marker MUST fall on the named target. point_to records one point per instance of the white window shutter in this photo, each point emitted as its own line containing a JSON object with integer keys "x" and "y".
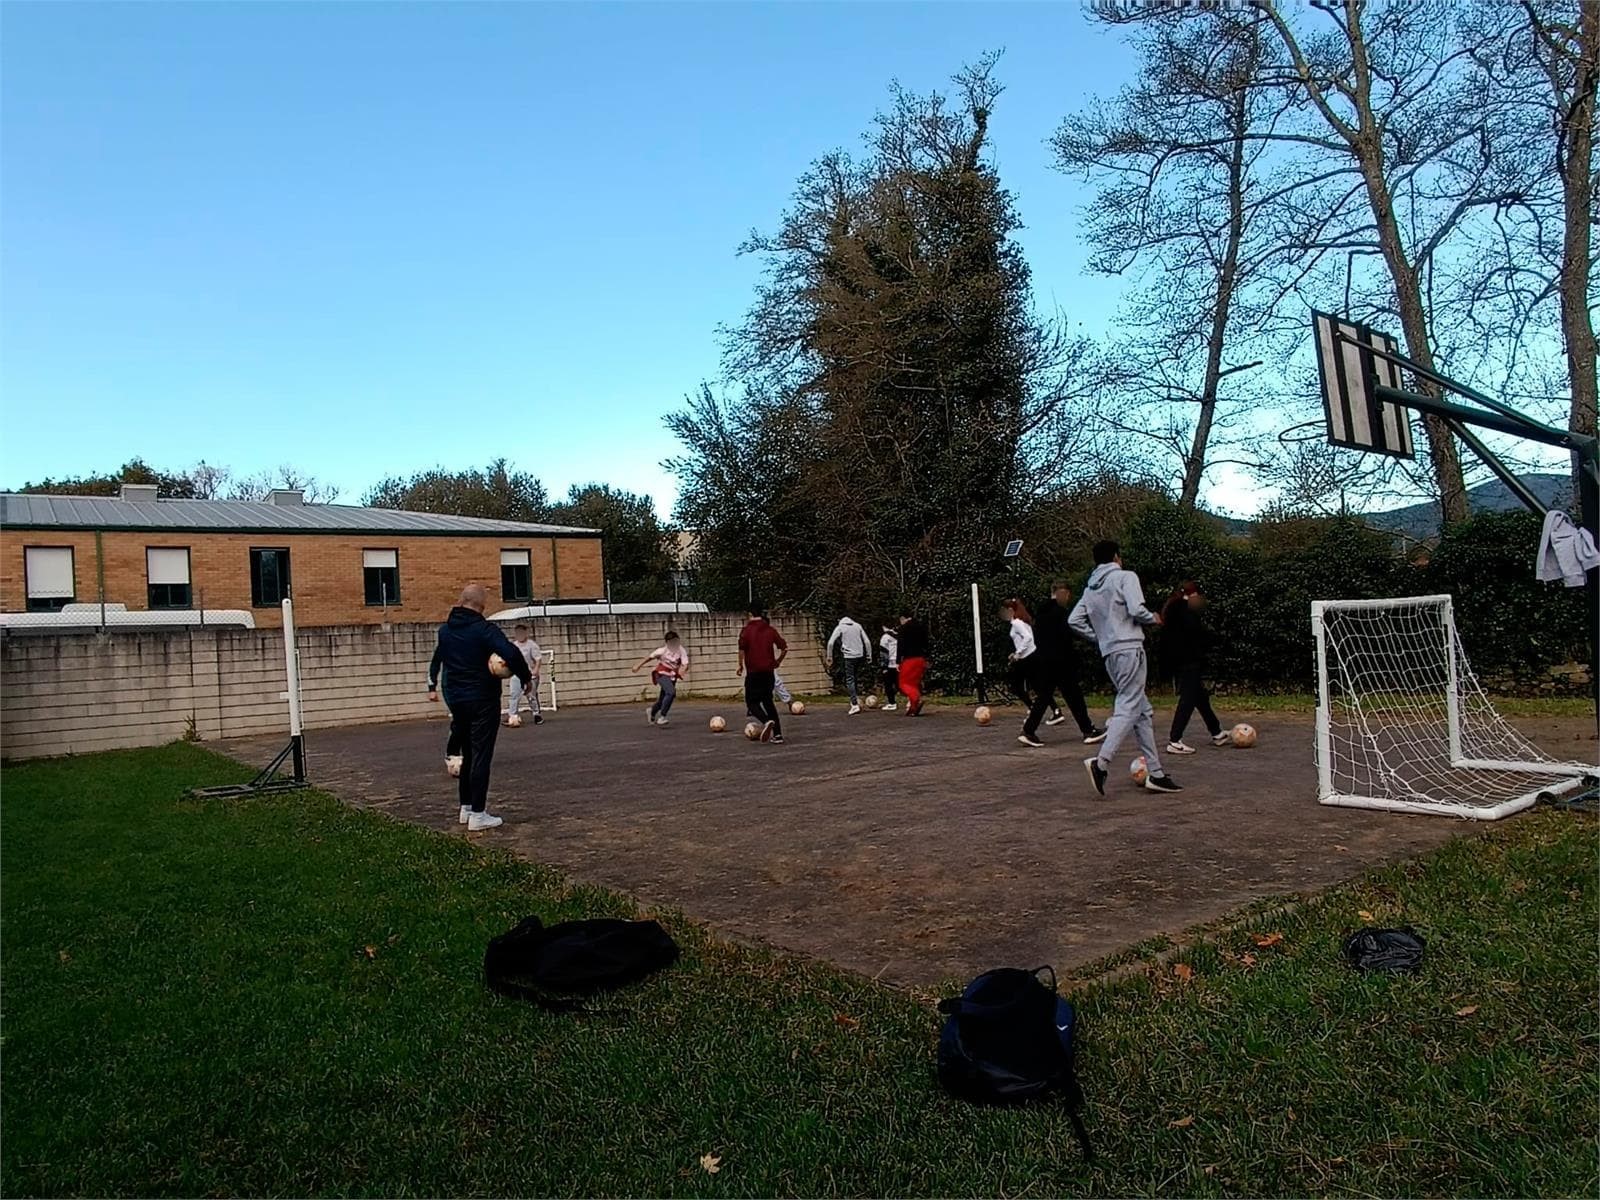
{"x": 167, "y": 565}
{"x": 380, "y": 558}
{"x": 515, "y": 558}
{"x": 49, "y": 572}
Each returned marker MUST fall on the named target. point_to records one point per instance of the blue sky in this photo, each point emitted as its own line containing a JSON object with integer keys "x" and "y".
{"x": 370, "y": 238}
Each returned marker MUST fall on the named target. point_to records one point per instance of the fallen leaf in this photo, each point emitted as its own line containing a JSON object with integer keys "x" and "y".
{"x": 847, "y": 1022}
{"x": 1183, "y": 971}
{"x": 711, "y": 1162}
{"x": 1291, "y": 1114}
{"x": 65, "y": 958}
{"x": 370, "y": 951}
{"x": 1467, "y": 1011}
{"x": 1268, "y": 939}
{"x": 1247, "y": 959}
{"x": 1341, "y": 849}
{"x": 1365, "y": 915}
{"x": 1181, "y": 1123}
{"x": 1335, "y": 1162}
{"x": 1211, "y": 1170}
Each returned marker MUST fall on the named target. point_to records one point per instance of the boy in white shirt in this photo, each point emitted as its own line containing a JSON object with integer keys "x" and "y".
{"x": 535, "y": 656}
{"x": 671, "y": 664}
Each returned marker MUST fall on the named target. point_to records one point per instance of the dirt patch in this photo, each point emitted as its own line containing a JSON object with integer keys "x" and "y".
{"x": 914, "y": 850}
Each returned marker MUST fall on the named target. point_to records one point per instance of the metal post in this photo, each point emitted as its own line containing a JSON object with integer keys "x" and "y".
{"x": 1452, "y": 699}
{"x": 977, "y": 643}
{"x": 1324, "y": 708}
{"x": 291, "y": 662}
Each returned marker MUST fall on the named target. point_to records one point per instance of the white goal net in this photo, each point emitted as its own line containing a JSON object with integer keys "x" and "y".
{"x": 1402, "y": 723}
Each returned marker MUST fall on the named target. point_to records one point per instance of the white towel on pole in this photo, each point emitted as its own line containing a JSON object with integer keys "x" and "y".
{"x": 1566, "y": 551}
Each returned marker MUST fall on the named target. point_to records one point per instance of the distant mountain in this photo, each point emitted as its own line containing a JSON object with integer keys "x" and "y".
{"x": 1422, "y": 520}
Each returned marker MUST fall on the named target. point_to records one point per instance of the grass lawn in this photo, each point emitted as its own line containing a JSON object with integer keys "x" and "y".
{"x": 283, "y": 996}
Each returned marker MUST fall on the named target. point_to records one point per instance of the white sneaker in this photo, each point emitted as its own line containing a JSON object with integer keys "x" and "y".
{"x": 1179, "y": 748}
{"x": 854, "y": 709}
{"x": 1222, "y": 739}
{"x": 479, "y": 821}
{"x": 649, "y": 716}
{"x": 1055, "y": 718}
{"x": 661, "y": 720}
{"x": 888, "y": 708}
{"x": 466, "y": 814}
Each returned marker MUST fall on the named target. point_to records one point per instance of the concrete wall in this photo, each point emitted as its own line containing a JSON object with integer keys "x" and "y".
{"x": 73, "y": 693}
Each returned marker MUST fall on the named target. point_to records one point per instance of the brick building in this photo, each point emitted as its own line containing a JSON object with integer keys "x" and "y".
{"x": 346, "y": 565}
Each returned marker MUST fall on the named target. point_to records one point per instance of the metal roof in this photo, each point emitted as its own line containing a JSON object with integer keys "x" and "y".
{"x": 19, "y": 511}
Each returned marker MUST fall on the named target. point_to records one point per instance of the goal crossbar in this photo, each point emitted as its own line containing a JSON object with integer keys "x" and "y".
{"x": 1403, "y": 725}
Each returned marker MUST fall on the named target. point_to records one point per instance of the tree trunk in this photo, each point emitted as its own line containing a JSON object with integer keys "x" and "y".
{"x": 1367, "y": 144}
{"x": 1195, "y": 464}
{"x": 1577, "y": 187}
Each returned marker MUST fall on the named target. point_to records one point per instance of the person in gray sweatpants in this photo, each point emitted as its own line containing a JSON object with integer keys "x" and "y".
{"x": 1112, "y": 614}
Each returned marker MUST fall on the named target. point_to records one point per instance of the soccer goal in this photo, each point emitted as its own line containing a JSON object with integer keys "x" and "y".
{"x": 1402, "y": 723}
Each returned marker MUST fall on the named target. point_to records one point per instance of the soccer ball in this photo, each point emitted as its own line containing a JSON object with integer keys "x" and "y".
{"x": 514, "y": 720}
{"x": 797, "y": 707}
{"x": 717, "y": 724}
{"x": 982, "y": 715}
{"x": 1243, "y": 736}
{"x": 452, "y": 765}
{"x": 870, "y": 700}
{"x": 1139, "y": 770}
{"x": 498, "y": 668}
{"x": 752, "y": 730}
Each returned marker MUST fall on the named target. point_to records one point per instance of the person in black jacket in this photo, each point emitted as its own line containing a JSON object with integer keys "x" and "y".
{"x": 1055, "y": 638}
{"x": 914, "y": 644}
{"x": 1184, "y": 642}
{"x": 472, "y": 693}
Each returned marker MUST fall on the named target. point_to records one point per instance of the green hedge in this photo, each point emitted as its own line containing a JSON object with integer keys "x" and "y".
{"x": 1261, "y": 586}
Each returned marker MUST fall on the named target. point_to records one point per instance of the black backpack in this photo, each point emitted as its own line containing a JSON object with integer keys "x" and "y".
{"x": 550, "y": 966}
{"x": 1009, "y": 1038}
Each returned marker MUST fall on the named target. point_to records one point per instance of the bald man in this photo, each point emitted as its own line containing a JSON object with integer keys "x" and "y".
{"x": 472, "y": 692}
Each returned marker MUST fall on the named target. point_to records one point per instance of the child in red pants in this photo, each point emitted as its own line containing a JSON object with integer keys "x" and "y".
{"x": 913, "y": 643}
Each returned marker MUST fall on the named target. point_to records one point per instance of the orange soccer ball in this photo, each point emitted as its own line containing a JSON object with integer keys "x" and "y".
{"x": 498, "y": 668}
{"x": 717, "y": 724}
{"x": 982, "y": 715}
{"x": 1243, "y": 736}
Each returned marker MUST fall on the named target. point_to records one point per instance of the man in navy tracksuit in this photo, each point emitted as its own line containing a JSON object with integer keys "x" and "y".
{"x": 472, "y": 693}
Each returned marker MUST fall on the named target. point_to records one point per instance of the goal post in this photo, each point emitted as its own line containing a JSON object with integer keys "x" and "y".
{"x": 1403, "y": 725}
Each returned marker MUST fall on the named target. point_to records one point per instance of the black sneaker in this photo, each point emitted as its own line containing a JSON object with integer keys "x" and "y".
{"x": 538, "y": 719}
{"x": 1055, "y": 718}
{"x": 1097, "y": 775}
{"x": 1095, "y": 736}
{"x": 1027, "y": 739}
{"x": 777, "y": 739}
{"x": 1161, "y": 783}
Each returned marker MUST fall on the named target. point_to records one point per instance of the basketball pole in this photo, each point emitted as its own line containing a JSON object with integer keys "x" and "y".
{"x": 977, "y": 645}
{"x": 291, "y": 662}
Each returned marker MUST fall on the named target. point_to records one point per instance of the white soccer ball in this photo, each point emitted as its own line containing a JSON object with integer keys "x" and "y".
{"x": 1243, "y": 736}
{"x": 870, "y": 700}
{"x": 717, "y": 724}
{"x": 498, "y": 667}
{"x": 752, "y": 730}
{"x": 797, "y": 707}
{"x": 1139, "y": 770}
{"x": 514, "y": 720}
{"x": 982, "y": 715}
{"x": 452, "y": 766}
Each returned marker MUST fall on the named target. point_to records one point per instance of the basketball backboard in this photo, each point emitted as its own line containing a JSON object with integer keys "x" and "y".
{"x": 1013, "y": 548}
{"x": 1351, "y": 374}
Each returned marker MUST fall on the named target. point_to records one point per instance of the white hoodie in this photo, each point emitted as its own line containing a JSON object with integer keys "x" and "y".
{"x": 1111, "y": 611}
{"x": 851, "y": 638}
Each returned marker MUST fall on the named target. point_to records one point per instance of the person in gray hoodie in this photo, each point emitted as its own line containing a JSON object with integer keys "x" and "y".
{"x": 1112, "y": 614}
{"x": 852, "y": 642}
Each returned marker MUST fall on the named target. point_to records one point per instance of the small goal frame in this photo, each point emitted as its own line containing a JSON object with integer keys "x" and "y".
{"x": 1569, "y": 776}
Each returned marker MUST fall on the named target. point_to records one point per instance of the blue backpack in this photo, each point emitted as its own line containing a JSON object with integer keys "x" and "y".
{"x": 1009, "y": 1038}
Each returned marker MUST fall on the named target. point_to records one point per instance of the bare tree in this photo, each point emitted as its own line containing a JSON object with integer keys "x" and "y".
{"x": 1563, "y": 42}
{"x": 1397, "y": 94}
{"x": 285, "y": 477}
{"x": 1182, "y": 156}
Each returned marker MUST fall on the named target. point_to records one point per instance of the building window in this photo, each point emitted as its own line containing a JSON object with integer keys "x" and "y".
{"x": 269, "y": 577}
{"x": 167, "y": 569}
{"x": 48, "y": 577}
{"x": 381, "y": 572}
{"x": 516, "y": 574}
